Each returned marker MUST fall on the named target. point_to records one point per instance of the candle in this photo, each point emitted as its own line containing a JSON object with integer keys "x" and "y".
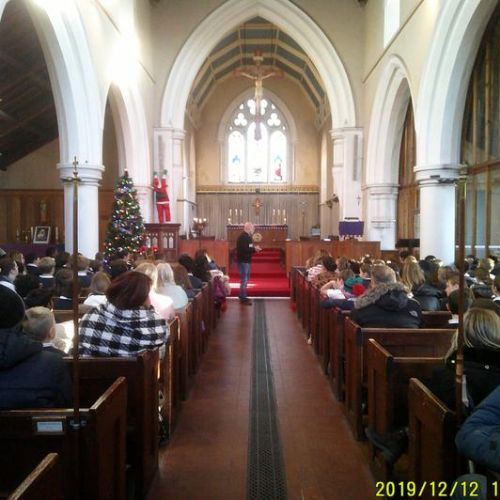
{"x": 230, "y": 213}
{"x": 31, "y": 232}
{"x": 56, "y": 233}
{"x": 284, "y": 220}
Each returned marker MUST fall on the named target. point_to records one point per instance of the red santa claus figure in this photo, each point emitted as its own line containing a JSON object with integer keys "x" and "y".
{"x": 160, "y": 187}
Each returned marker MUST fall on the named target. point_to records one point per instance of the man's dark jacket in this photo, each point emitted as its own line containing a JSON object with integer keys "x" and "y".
{"x": 29, "y": 376}
{"x": 244, "y": 247}
{"x": 387, "y": 306}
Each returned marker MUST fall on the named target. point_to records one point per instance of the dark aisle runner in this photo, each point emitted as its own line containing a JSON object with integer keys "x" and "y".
{"x": 266, "y": 472}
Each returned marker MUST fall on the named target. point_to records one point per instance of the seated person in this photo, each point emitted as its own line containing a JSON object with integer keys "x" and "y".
{"x": 481, "y": 369}
{"x": 186, "y": 261}
{"x": 63, "y": 290}
{"x": 8, "y": 273}
{"x": 127, "y": 324}
{"x": 482, "y": 287}
{"x": 25, "y": 283}
{"x": 479, "y": 437}
{"x": 386, "y": 303}
{"x": 98, "y": 286}
{"x": 452, "y": 304}
{"x": 182, "y": 279}
{"x": 496, "y": 290}
{"x": 162, "y": 304}
{"x": 39, "y": 297}
{"x": 426, "y": 295}
{"x": 327, "y": 274}
{"x": 40, "y": 325}
{"x": 165, "y": 285}
{"x": 29, "y": 376}
{"x": 31, "y": 261}
{"x": 117, "y": 267}
{"x": 47, "y": 267}
{"x": 84, "y": 274}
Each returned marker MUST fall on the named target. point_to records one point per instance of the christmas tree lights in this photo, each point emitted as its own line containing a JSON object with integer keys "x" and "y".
{"x": 126, "y": 227}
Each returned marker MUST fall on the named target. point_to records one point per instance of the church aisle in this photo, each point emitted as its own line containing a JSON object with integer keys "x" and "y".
{"x": 207, "y": 457}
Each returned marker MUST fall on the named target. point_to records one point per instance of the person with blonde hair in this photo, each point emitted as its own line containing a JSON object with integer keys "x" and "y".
{"x": 98, "y": 286}
{"x": 162, "y": 304}
{"x": 40, "y": 325}
{"x": 166, "y": 285}
{"x": 414, "y": 280}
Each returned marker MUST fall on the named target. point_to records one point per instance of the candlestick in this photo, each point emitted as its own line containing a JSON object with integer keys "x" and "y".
{"x": 278, "y": 220}
{"x": 32, "y": 232}
{"x": 284, "y": 220}
{"x": 241, "y": 215}
{"x": 56, "y": 234}
{"x": 230, "y": 213}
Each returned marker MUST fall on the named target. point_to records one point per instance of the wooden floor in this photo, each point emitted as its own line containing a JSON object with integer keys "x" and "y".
{"x": 207, "y": 457}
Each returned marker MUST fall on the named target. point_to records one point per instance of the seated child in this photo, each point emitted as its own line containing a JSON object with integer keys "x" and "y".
{"x": 40, "y": 325}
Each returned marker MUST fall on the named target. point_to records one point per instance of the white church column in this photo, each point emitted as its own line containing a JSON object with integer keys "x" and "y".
{"x": 169, "y": 154}
{"x": 346, "y": 170}
{"x": 88, "y": 206}
{"x": 382, "y": 209}
{"x": 145, "y": 200}
{"x": 437, "y": 210}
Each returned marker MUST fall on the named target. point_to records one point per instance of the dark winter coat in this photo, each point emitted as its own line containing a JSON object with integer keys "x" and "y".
{"x": 387, "y": 306}
{"x": 482, "y": 371}
{"x": 29, "y": 376}
{"x": 428, "y": 297}
{"x": 479, "y": 437}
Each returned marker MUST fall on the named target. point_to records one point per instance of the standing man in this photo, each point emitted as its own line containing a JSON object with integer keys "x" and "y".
{"x": 244, "y": 251}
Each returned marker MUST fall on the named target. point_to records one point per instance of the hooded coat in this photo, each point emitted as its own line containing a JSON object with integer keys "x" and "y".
{"x": 428, "y": 297}
{"x": 387, "y": 306}
{"x": 29, "y": 376}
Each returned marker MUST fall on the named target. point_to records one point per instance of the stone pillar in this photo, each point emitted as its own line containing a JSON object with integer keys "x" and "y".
{"x": 437, "y": 210}
{"x": 382, "y": 209}
{"x": 145, "y": 200}
{"x": 346, "y": 170}
{"x": 88, "y": 206}
{"x": 169, "y": 154}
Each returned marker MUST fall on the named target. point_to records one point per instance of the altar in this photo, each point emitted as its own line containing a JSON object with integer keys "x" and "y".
{"x": 265, "y": 235}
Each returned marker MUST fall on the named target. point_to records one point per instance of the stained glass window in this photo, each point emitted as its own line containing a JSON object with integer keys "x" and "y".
{"x": 257, "y": 144}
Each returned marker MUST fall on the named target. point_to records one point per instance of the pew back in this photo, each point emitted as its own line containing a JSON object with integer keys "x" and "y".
{"x": 401, "y": 342}
{"x": 26, "y": 436}
{"x": 432, "y": 437}
{"x": 141, "y": 373}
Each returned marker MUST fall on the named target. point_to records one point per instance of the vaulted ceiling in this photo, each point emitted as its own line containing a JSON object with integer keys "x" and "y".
{"x": 27, "y": 112}
{"x": 280, "y": 51}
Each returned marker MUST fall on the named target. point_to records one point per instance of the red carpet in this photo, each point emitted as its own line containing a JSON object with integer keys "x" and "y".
{"x": 267, "y": 276}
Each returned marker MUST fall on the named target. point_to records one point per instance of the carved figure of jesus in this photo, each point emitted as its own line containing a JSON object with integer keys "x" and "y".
{"x": 258, "y": 74}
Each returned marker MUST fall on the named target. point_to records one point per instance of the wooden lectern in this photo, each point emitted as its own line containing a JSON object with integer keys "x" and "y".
{"x": 165, "y": 237}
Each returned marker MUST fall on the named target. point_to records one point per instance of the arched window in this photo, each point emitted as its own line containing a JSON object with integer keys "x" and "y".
{"x": 391, "y": 19}
{"x": 257, "y": 144}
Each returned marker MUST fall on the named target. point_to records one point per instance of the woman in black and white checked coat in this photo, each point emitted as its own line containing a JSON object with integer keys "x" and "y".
{"x": 127, "y": 324}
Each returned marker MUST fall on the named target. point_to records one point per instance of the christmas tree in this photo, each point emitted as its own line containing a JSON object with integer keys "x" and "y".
{"x": 126, "y": 227}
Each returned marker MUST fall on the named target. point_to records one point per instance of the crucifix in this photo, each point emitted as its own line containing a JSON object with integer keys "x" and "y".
{"x": 258, "y": 74}
{"x": 257, "y": 204}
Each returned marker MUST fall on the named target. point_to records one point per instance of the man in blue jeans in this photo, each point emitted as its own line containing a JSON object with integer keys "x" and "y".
{"x": 244, "y": 251}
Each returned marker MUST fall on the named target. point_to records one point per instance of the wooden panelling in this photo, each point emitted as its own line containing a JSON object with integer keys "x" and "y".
{"x": 21, "y": 209}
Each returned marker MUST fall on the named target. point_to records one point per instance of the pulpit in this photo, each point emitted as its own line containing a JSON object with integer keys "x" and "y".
{"x": 165, "y": 237}
{"x": 266, "y": 235}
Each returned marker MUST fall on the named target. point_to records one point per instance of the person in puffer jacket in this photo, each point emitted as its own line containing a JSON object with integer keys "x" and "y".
{"x": 29, "y": 376}
{"x": 479, "y": 437}
{"x": 386, "y": 304}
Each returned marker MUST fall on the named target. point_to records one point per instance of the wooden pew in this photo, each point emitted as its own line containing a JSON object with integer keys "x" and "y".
{"x": 432, "y": 438}
{"x": 168, "y": 377}
{"x": 184, "y": 351}
{"x": 206, "y": 316}
{"x": 436, "y": 319}
{"x": 197, "y": 330}
{"x": 314, "y": 331}
{"x": 43, "y": 483}
{"x": 300, "y": 290}
{"x": 26, "y": 436}
{"x": 337, "y": 356}
{"x": 141, "y": 373}
{"x": 424, "y": 342}
{"x": 388, "y": 379}
{"x": 325, "y": 324}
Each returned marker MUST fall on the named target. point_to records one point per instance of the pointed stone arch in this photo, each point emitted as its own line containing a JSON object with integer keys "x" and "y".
{"x": 290, "y": 19}
{"x": 384, "y": 141}
{"x": 132, "y": 142}
{"x": 439, "y": 116}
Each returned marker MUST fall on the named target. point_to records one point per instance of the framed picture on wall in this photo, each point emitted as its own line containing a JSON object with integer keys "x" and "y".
{"x": 41, "y": 234}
